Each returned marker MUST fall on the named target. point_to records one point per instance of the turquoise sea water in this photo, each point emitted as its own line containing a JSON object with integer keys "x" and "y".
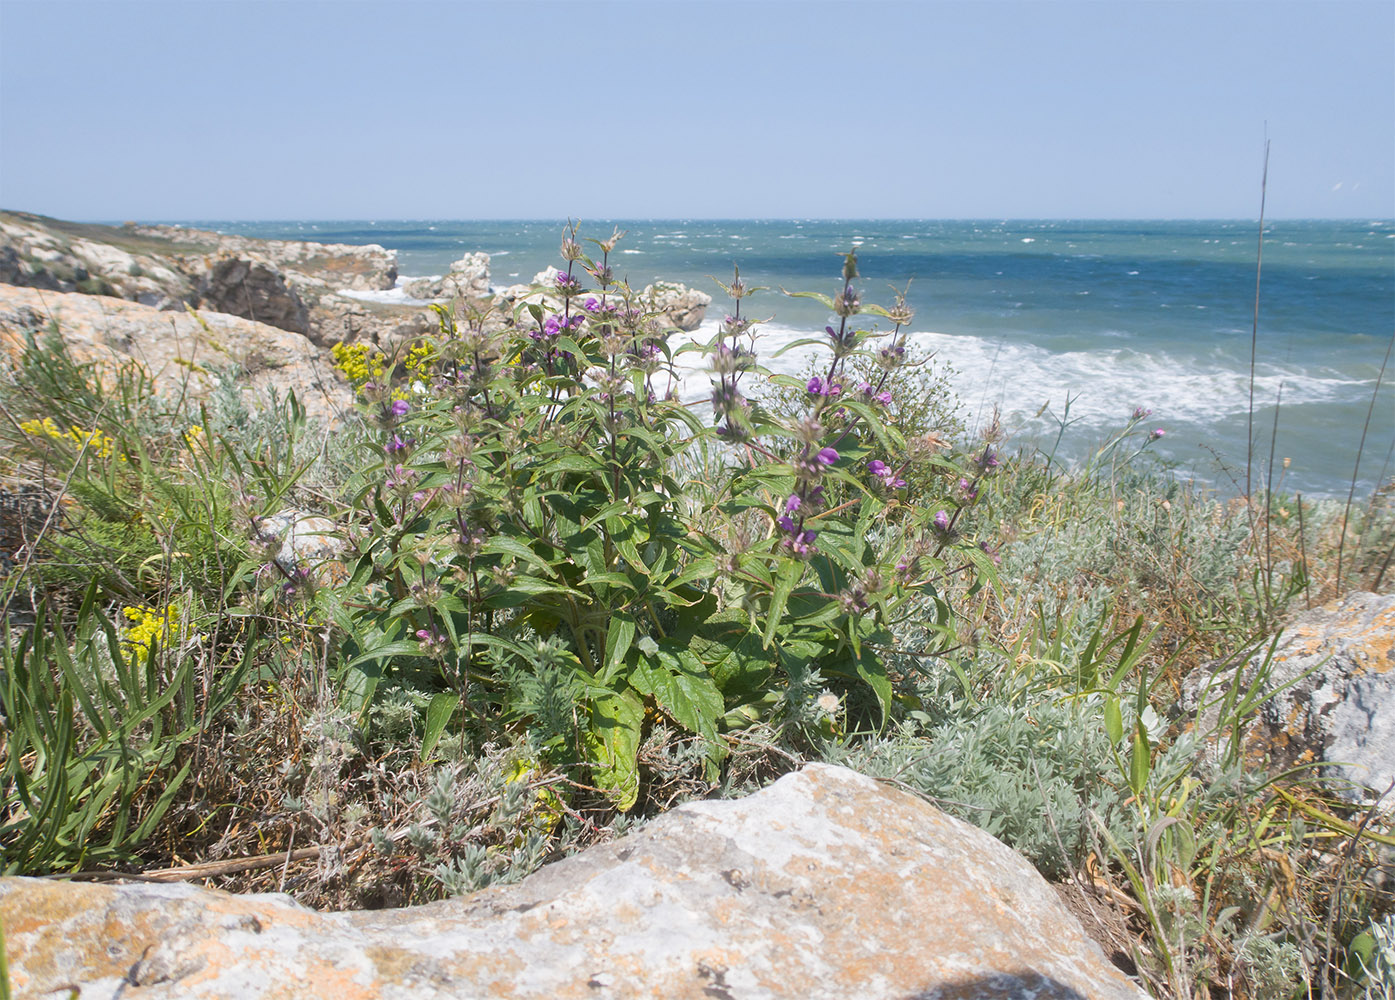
{"x": 1112, "y": 315}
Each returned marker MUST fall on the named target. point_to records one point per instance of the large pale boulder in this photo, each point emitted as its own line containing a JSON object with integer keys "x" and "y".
{"x": 1328, "y": 690}
{"x": 825, "y": 885}
{"x": 684, "y": 307}
{"x": 468, "y": 278}
{"x": 183, "y": 352}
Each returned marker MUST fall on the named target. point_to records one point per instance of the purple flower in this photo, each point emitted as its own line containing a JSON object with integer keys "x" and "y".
{"x": 1157, "y": 433}
{"x": 802, "y": 544}
{"x": 988, "y": 460}
{"x": 793, "y": 503}
{"x": 818, "y": 387}
{"x": 786, "y": 523}
{"x": 941, "y": 520}
{"x": 885, "y": 473}
{"x": 400, "y": 407}
{"x": 1139, "y": 413}
{"x": 968, "y": 489}
{"x": 397, "y": 444}
{"x": 433, "y": 643}
{"x": 591, "y": 304}
{"x": 827, "y": 456}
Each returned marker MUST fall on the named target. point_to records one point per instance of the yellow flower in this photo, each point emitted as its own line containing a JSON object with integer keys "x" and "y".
{"x": 147, "y": 626}
{"x": 358, "y": 363}
{"x": 94, "y": 441}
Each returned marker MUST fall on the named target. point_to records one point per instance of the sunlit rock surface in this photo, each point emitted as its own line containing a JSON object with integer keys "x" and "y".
{"x": 827, "y": 884}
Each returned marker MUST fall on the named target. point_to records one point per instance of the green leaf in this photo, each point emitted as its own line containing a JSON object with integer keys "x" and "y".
{"x": 618, "y": 638}
{"x": 402, "y": 647}
{"x": 825, "y": 300}
{"x": 1113, "y": 721}
{"x": 612, "y": 745}
{"x": 438, "y": 714}
{"x": 1141, "y": 760}
{"x": 871, "y": 669}
{"x": 507, "y": 546}
{"x": 683, "y": 688}
{"x": 788, "y": 577}
{"x": 624, "y": 534}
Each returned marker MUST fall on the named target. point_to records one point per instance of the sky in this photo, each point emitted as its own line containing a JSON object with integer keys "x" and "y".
{"x": 240, "y": 110}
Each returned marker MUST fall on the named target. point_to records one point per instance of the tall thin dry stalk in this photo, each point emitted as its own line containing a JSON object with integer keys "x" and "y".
{"x": 1254, "y": 331}
{"x": 1346, "y": 511}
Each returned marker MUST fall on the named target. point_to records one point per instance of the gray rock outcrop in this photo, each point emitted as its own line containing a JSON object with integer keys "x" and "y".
{"x": 827, "y": 884}
{"x": 250, "y": 286}
{"x": 1329, "y": 694}
{"x": 37, "y": 256}
{"x": 468, "y": 278}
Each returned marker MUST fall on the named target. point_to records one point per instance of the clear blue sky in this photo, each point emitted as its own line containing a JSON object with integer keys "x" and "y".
{"x": 298, "y": 110}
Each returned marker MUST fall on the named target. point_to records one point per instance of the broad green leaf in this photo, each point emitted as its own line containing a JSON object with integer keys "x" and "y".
{"x": 871, "y": 669}
{"x": 438, "y": 715}
{"x": 618, "y": 638}
{"x": 785, "y": 582}
{"x": 624, "y": 534}
{"x": 612, "y": 745}
{"x": 684, "y": 689}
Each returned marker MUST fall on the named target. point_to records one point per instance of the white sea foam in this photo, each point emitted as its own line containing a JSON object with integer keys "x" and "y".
{"x": 396, "y": 295}
{"x": 1104, "y": 384}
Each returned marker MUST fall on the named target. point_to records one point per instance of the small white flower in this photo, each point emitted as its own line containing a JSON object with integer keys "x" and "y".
{"x": 827, "y": 702}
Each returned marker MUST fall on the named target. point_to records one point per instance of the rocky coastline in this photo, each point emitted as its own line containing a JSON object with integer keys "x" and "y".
{"x": 313, "y": 290}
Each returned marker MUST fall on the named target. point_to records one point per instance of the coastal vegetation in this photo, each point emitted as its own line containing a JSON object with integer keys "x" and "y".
{"x": 525, "y": 598}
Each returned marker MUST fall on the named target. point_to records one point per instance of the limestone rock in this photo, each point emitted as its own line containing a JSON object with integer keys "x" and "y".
{"x": 39, "y": 257}
{"x": 339, "y": 265}
{"x": 1332, "y": 676}
{"x": 684, "y": 307}
{"x": 824, "y": 885}
{"x": 251, "y": 286}
{"x": 468, "y": 278}
{"x": 290, "y": 284}
{"x": 303, "y": 544}
{"x": 182, "y": 352}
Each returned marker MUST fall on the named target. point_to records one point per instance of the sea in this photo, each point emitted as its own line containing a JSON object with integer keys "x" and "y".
{"x": 1062, "y": 329}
